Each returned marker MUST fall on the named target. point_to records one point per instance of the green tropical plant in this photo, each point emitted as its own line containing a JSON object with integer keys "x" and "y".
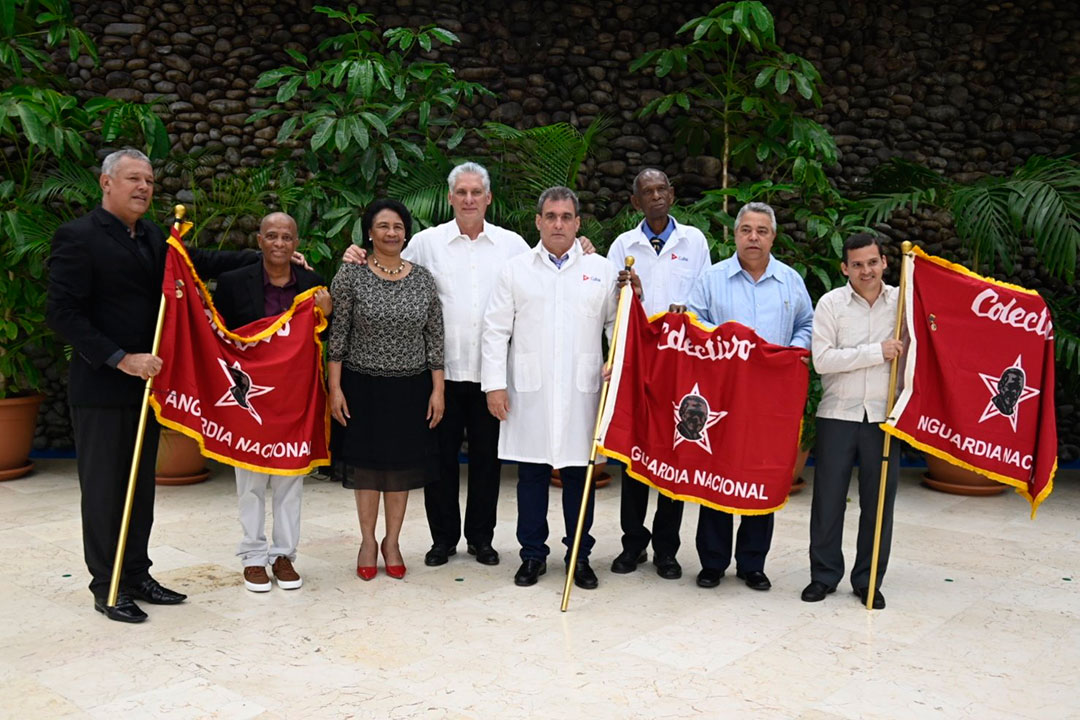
{"x": 46, "y": 157}
{"x": 1039, "y": 201}
{"x": 362, "y": 114}
{"x": 737, "y": 95}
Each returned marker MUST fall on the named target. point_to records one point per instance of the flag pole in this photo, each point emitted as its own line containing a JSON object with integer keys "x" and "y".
{"x": 624, "y": 297}
{"x": 890, "y": 400}
{"x": 129, "y": 499}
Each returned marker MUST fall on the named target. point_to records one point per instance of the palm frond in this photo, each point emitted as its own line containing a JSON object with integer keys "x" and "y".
{"x": 879, "y": 208}
{"x": 70, "y": 183}
{"x": 983, "y": 222}
{"x": 901, "y": 176}
{"x": 1065, "y": 313}
{"x": 423, "y": 190}
{"x": 1045, "y": 206}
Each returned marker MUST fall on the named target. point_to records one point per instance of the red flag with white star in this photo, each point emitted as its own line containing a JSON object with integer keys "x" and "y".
{"x": 253, "y": 398}
{"x": 710, "y": 416}
{"x": 979, "y": 376}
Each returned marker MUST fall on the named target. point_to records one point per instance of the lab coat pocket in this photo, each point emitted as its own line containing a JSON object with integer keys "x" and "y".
{"x": 527, "y": 372}
{"x": 591, "y": 301}
{"x": 589, "y": 366}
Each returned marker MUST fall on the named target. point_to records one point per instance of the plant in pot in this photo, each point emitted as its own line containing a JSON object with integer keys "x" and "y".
{"x": 46, "y": 181}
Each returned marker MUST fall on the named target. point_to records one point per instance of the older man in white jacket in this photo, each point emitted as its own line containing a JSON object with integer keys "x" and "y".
{"x": 542, "y": 371}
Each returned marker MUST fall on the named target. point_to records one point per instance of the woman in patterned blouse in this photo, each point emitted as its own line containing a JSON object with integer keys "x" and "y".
{"x": 386, "y": 381}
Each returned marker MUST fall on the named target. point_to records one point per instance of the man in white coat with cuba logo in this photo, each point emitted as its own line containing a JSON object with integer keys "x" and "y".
{"x": 542, "y": 371}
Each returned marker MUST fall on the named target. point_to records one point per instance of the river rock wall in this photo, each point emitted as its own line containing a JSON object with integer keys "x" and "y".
{"x": 969, "y": 88}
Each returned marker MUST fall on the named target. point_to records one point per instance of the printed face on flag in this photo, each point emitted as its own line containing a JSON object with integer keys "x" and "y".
{"x": 693, "y": 418}
{"x": 1007, "y": 391}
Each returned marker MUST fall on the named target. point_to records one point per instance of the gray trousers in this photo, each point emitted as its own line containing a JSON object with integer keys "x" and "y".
{"x": 840, "y": 443}
{"x": 251, "y": 494}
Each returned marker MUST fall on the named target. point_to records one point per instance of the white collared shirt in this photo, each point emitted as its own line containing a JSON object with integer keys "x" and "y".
{"x": 665, "y": 278}
{"x": 465, "y": 271}
{"x": 848, "y": 332}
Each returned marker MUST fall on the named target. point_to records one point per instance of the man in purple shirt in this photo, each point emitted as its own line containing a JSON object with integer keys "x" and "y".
{"x": 244, "y": 296}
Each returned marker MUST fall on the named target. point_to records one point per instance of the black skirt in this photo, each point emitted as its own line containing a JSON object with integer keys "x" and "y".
{"x": 387, "y": 445}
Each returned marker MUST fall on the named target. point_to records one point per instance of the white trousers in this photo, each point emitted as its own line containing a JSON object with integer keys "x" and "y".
{"x": 251, "y": 493}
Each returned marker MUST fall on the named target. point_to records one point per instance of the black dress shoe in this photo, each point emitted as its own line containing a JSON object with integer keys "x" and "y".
{"x": 755, "y": 579}
{"x": 709, "y": 578}
{"x": 668, "y": 567}
{"x": 439, "y": 555}
{"x": 529, "y": 572}
{"x": 627, "y": 561}
{"x": 816, "y": 591}
{"x": 125, "y": 610}
{"x": 584, "y": 577}
{"x": 154, "y": 593}
{"x": 485, "y": 554}
{"x": 879, "y": 599}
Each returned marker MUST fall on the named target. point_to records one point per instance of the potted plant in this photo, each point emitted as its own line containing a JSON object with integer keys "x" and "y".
{"x": 179, "y": 461}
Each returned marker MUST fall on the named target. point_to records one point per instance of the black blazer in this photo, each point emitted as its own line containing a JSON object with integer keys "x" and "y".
{"x": 239, "y": 295}
{"x": 104, "y": 296}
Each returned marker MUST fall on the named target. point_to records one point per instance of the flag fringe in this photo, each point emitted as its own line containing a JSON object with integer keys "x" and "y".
{"x": 956, "y": 267}
{"x": 1019, "y": 485}
{"x": 689, "y": 498}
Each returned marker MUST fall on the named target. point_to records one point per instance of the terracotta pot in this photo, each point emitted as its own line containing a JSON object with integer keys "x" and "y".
{"x": 601, "y": 478}
{"x": 946, "y": 477}
{"x": 797, "y": 483}
{"x": 179, "y": 461}
{"x": 18, "y": 417}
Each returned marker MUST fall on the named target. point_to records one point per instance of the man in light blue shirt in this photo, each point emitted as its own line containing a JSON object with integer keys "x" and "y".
{"x": 759, "y": 291}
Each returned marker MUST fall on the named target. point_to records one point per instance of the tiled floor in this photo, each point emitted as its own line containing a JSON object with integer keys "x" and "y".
{"x": 983, "y": 621}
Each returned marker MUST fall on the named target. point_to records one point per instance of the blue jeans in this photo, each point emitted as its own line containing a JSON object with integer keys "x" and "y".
{"x": 532, "y": 496}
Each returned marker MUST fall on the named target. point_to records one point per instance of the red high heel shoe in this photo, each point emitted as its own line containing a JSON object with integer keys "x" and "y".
{"x": 395, "y": 571}
{"x": 365, "y": 572}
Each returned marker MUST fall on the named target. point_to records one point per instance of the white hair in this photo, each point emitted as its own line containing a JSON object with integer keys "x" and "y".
{"x": 757, "y": 207}
{"x": 113, "y": 159}
{"x": 469, "y": 168}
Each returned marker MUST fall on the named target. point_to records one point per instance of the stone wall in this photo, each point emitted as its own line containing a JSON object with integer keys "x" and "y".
{"x": 968, "y": 87}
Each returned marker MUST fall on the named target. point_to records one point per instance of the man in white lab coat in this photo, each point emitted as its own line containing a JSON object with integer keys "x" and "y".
{"x": 542, "y": 371}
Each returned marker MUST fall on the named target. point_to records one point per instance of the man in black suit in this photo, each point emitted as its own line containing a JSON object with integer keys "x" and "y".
{"x": 243, "y": 296}
{"x": 105, "y": 276}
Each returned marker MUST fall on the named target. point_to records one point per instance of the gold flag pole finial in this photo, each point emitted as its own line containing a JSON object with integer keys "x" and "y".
{"x": 178, "y": 212}
{"x": 905, "y": 248}
{"x": 624, "y": 294}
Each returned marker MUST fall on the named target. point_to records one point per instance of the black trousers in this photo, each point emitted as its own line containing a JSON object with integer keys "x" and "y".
{"x": 534, "y": 482}
{"x": 104, "y": 441}
{"x": 666, "y": 521}
{"x": 466, "y": 412}
{"x": 751, "y": 544}
{"x": 840, "y": 443}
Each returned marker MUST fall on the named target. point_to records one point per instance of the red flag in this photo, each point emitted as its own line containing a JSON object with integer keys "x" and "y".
{"x": 979, "y": 377}
{"x": 253, "y": 398}
{"x": 708, "y": 416}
